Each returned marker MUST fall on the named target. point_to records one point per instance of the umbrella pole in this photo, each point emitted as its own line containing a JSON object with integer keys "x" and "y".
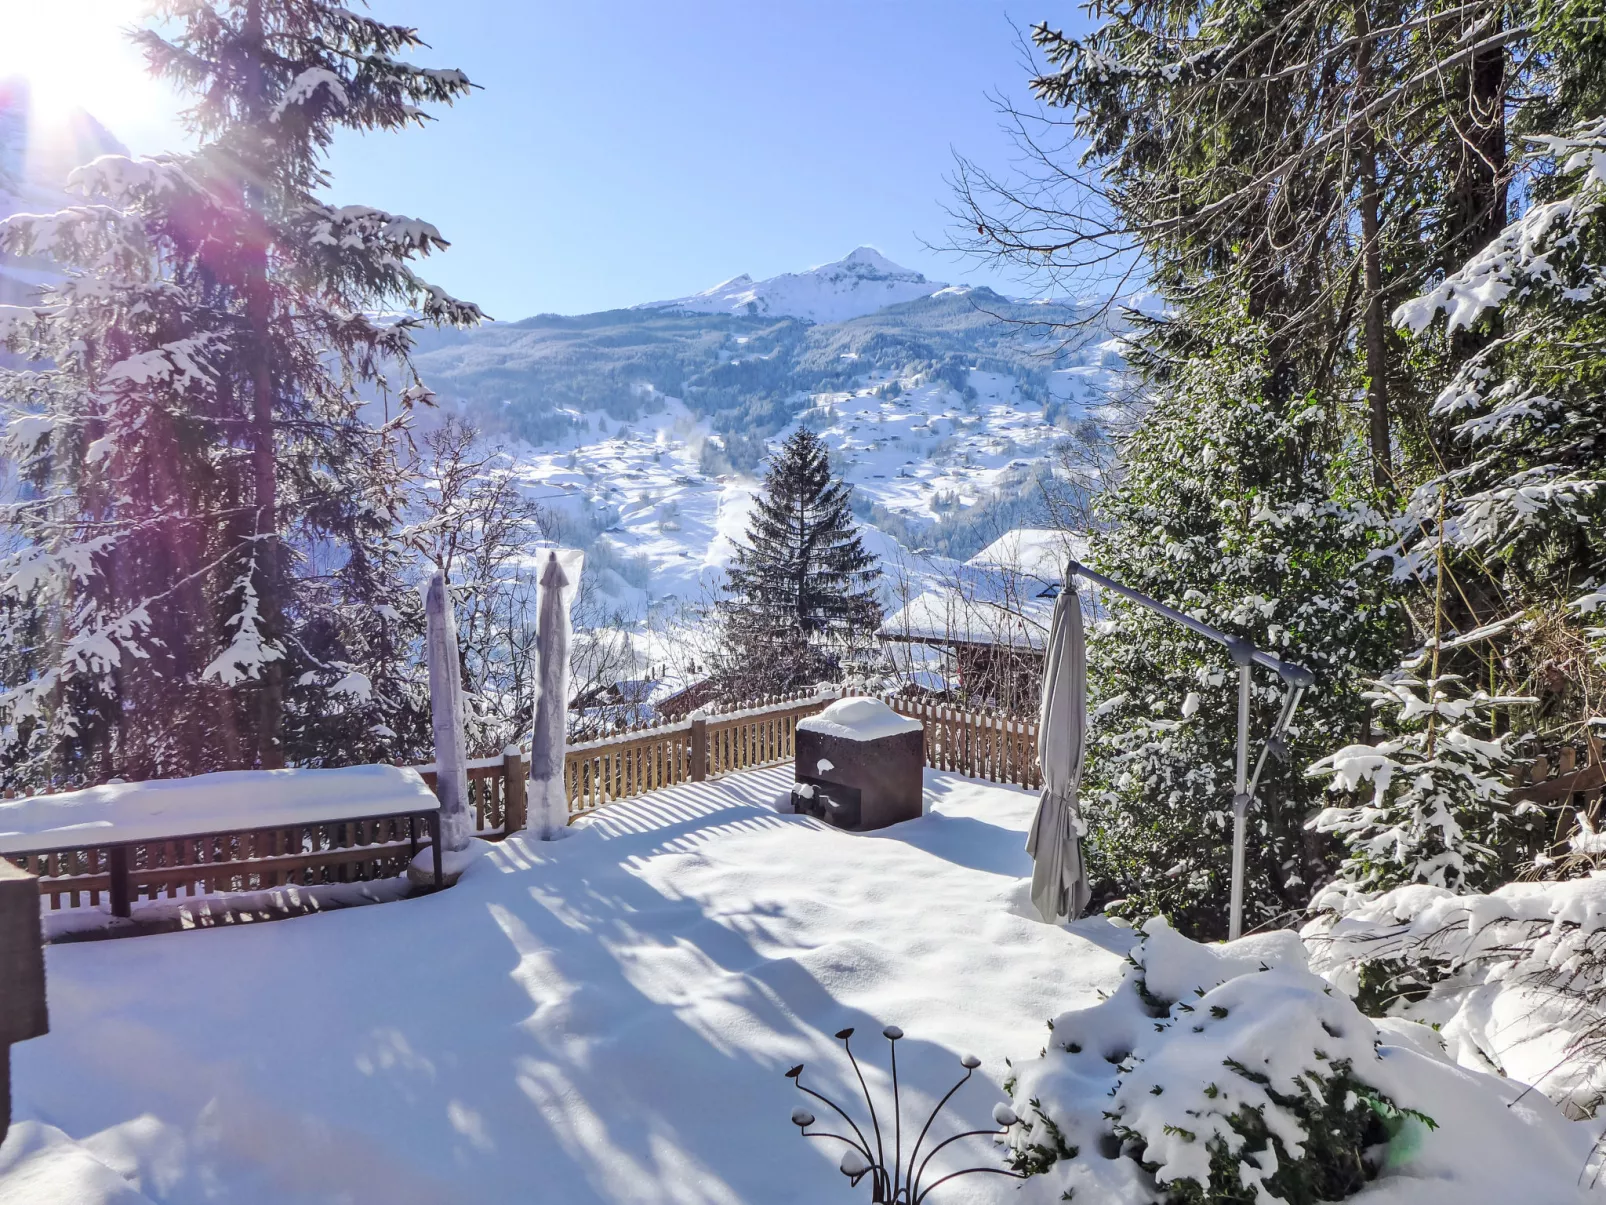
{"x": 1240, "y": 807}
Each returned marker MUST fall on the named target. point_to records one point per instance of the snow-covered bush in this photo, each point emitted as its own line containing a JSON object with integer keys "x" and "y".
{"x": 1438, "y": 805}
{"x": 1212, "y": 1073}
{"x": 1234, "y": 1073}
{"x": 1514, "y": 981}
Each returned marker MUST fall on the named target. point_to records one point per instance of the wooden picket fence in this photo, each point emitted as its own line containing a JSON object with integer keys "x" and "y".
{"x": 1565, "y": 778}
{"x": 634, "y": 762}
{"x": 987, "y": 745}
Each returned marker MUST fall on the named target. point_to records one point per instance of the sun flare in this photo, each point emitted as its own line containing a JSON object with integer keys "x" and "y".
{"x": 74, "y": 57}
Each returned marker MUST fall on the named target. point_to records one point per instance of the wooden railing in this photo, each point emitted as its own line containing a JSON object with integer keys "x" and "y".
{"x": 985, "y": 745}
{"x": 704, "y": 746}
{"x": 496, "y": 793}
{"x": 990, "y": 745}
{"x": 1562, "y": 779}
{"x": 304, "y": 855}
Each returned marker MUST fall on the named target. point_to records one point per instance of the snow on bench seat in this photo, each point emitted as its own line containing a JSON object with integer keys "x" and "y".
{"x": 209, "y": 803}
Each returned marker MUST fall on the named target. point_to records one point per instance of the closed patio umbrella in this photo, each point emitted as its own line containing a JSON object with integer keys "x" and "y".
{"x": 1059, "y": 884}
{"x": 446, "y": 715}
{"x": 548, "y": 797}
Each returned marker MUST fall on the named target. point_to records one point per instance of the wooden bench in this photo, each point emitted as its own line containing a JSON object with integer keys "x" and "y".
{"x": 181, "y": 836}
{"x": 258, "y": 859}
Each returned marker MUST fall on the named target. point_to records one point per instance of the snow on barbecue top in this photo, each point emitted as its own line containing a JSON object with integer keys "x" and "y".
{"x": 859, "y": 719}
{"x": 209, "y": 803}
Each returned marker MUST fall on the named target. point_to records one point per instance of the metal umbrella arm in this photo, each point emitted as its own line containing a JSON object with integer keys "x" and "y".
{"x": 1288, "y": 671}
{"x": 1274, "y": 739}
{"x": 1245, "y": 656}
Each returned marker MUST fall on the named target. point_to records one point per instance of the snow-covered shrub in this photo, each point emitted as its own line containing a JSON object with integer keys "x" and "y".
{"x": 1235, "y": 1074}
{"x": 1514, "y": 981}
{"x": 1438, "y": 805}
{"x": 1213, "y": 1073}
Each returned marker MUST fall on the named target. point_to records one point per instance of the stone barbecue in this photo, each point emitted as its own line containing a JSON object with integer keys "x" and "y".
{"x": 859, "y": 765}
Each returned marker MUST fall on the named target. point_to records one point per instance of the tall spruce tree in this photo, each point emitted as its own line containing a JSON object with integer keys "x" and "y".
{"x": 801, "y": 590}
{"x": 205, "y": 573}
{"x": 1223, "y": 513}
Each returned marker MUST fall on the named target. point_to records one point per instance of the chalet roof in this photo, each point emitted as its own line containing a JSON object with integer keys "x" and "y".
{"x": 1004, "y": 595}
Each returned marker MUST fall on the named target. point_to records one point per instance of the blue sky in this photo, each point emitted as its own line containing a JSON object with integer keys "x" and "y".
{"x": 650, "y": 148}
{"x": 634, "y": 151}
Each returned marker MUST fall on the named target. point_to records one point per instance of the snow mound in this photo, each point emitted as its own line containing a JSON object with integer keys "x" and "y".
{"x": 1510, "y": 980}
{"x": 859, "y": 719}
{"x": 209, "y": 803}
{"x": 860, "y": 283}
{"x": 1215, "y": 1067}
{"x": 40, "y": 1165}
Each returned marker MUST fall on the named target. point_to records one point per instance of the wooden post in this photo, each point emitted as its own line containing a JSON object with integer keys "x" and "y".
{"x": 513, "y": 799}
{"x": 23, "y": 1013}
{"x": 699, "y": 748}
{"x": 435, "y": 849}
{"x": 117, "y": 868}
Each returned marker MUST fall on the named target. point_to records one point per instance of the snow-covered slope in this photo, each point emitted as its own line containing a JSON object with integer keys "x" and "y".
{"x": 922, "y": 457}
{"x": 861, "y": 283}
{"x": 647, "y": 429}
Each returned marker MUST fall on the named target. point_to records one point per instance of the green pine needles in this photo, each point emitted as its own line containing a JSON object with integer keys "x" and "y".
{"x": 800, "y": 595}
{"x": 1438, "y": 808}
{"x": 1224, "y": 513}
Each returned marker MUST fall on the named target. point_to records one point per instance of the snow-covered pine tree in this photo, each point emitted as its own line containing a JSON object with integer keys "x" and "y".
{"x": 1224, "y": 513}
{"x": 1519, "y": 520}
{"x": 801, "y": 590}
{"x": 206, "y": 574}
{"x": 1438, "y": 810}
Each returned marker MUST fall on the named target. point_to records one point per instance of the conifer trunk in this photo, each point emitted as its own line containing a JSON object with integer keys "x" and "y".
{"x": 1375, "y": 313}
{"x": 270, "y": 715}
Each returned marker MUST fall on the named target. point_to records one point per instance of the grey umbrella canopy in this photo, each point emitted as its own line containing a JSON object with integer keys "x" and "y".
{"x": 1059, "y": 884}
{"x": 559, "y": 580}
{"x": 446, "y": 714}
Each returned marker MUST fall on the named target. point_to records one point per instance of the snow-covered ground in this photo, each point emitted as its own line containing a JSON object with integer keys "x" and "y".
{"x": 606, "y": 1018}
{"x": 610, "y": 1017}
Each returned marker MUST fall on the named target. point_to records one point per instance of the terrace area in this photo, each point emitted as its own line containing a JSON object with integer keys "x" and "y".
{"x": 608, "y": 1015}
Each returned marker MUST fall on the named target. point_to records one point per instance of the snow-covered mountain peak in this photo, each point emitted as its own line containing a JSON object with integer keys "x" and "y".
{"x": 867, "y": 260}
{"x": 860, "y": 283}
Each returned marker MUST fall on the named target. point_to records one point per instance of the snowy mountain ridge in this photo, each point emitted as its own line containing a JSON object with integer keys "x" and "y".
{"x": 860, "y": 283}
{"x": 643, "y": 432}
